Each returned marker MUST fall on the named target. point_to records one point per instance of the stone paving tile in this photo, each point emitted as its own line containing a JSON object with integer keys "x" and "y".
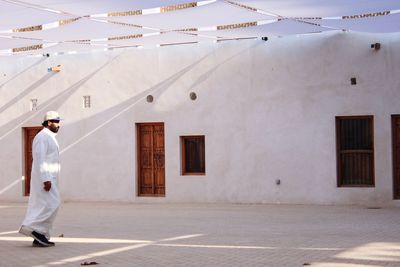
{"x": 121, "y": 234}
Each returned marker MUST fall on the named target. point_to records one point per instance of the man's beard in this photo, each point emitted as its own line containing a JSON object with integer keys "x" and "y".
{"x": 54, "y": 129}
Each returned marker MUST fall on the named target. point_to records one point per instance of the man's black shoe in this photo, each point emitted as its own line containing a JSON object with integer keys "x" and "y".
{"x": 37, "y": 244}
{"x": 41, "y": 239}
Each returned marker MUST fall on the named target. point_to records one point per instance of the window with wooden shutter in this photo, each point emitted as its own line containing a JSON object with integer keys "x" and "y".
{"x": 355, "y": 151}
{"x": 193, "y": 155}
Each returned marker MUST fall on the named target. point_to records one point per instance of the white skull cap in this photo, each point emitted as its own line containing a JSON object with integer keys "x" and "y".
{"x": 52, "y": 115}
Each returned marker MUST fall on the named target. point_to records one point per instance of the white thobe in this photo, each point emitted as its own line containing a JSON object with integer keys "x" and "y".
{"x": 43, "y": 205}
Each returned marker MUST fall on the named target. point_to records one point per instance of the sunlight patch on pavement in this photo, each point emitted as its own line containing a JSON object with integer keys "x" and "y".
{"x": 181, "y": 237}
{"x": 79, "y": 240}
{"x": 379, "y": 251}
{"x": 214, "y": 246}
{"x": 321, "y": 249}
{"x": 244, "y": 247}
{"x": 111, "y": 251}
{"x": 157, "y": 243}
{"x": 95, "y": 254}
{"x": 9, "y": 232}
{"x": 335, "y": 264}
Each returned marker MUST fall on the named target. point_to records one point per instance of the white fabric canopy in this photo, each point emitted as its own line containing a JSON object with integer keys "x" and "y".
{"x": 321, "y": 8}
{"x": 56, "y": 26}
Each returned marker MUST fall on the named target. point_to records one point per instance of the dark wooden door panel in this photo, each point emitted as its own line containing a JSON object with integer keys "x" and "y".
{"x": 396, "y": 155}
{"x": 29, "y": 135}
{"x": 151, "y": 153}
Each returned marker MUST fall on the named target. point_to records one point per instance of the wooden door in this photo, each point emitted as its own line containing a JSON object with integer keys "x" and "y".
{"x": 29, "y": 134}
{"x": 396, "y": 155}
{"x": 150, "y": 157}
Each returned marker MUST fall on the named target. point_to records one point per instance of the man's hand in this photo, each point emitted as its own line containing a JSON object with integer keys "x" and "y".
{"x": 47, "y": 185}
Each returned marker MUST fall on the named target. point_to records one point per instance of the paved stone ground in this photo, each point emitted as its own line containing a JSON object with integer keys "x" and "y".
{"x": 119, "y": 234}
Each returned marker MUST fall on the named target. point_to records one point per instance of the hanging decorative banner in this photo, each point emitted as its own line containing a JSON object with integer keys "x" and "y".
{"x": 372, "y": 14}
{"x": 237, "y": 25}
{"x": 251, "y": 8}
{"x": 27, "y": 48}
{"x": 67, "y": 21}
{"x": 29, "y": 29}
{"x": 375, "y": 14}
{"x": 125, "y": 37}
{"x": 177, "y": 7}
{"x": 186, "y": 30}
{"x": 46, "y": 26}
{"x": 80, "y": 41}
{"x": 124, "y": 24}
{"x": 111, "y": 14}
{"x": 125, "y": 13}
{"x": 155, "y": 10}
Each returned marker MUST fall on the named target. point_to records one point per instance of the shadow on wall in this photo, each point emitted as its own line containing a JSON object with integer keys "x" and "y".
{"x": 101, "y": 119}
{"x": 22, "y": 72}
{"x": 9, "y": 143}
{"x": 88, "y": 127}
{"x": 106, "y": 147}
{"x": 26, "y": 91}
{"x": 111, "y": 115}
{"x": 100, "y": 141}
{"x": 51, "y": 104}
{"x": 206, "y": 74}
{"x": 8, "y": 131}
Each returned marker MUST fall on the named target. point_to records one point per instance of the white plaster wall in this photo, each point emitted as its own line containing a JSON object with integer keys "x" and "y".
{"x": 267, "y": 110}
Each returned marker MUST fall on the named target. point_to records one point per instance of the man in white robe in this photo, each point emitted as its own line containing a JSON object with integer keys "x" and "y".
{"x": 44, "y": 198}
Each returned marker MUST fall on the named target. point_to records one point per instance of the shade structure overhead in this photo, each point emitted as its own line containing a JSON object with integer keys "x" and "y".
{"x": 9, "y": 42}
{"x": 14, "y": 16}
{"x": 279, "y": 28}
{"x": 321, "y": 8}
{"x": 90, "y": 7}
{"x": 83, "y": 29}
{"x": 211, "y": 15}
{"x": 34, "y": 27}
{"x": 380, "y": 24}
{"x": 162, "y": 39}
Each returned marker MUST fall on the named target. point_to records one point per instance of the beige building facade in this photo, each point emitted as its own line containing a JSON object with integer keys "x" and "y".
{"x": 268, "y": 113}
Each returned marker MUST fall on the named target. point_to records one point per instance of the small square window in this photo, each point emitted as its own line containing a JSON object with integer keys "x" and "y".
{"x": 193, "y": 155}
{"x": 34, "y": 104}
{"x": 86, "y": 101}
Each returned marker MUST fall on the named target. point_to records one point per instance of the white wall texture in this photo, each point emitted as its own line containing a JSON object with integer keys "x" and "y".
{"x": 267, "y": 110}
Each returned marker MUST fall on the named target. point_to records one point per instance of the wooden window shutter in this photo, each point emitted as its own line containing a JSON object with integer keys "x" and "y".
{"x": 193, "y": 155}
{"x": 355, "y": 151}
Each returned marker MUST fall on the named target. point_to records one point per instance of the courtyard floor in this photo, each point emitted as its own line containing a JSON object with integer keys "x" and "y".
{"x": 121, "y": 234}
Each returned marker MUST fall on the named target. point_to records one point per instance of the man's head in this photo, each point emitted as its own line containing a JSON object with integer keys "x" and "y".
{"x": 52, "y": 121}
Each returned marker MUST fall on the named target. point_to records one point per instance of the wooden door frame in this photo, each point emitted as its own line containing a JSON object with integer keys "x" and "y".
{"x": 394, "y": 157}
{"x": 138, "y": 159}
{"x": 27, "y": 174}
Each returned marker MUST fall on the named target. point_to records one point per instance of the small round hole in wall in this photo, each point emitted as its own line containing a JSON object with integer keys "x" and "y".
{"x": 149, "y": 98}
{"x": 193, "y": 96}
